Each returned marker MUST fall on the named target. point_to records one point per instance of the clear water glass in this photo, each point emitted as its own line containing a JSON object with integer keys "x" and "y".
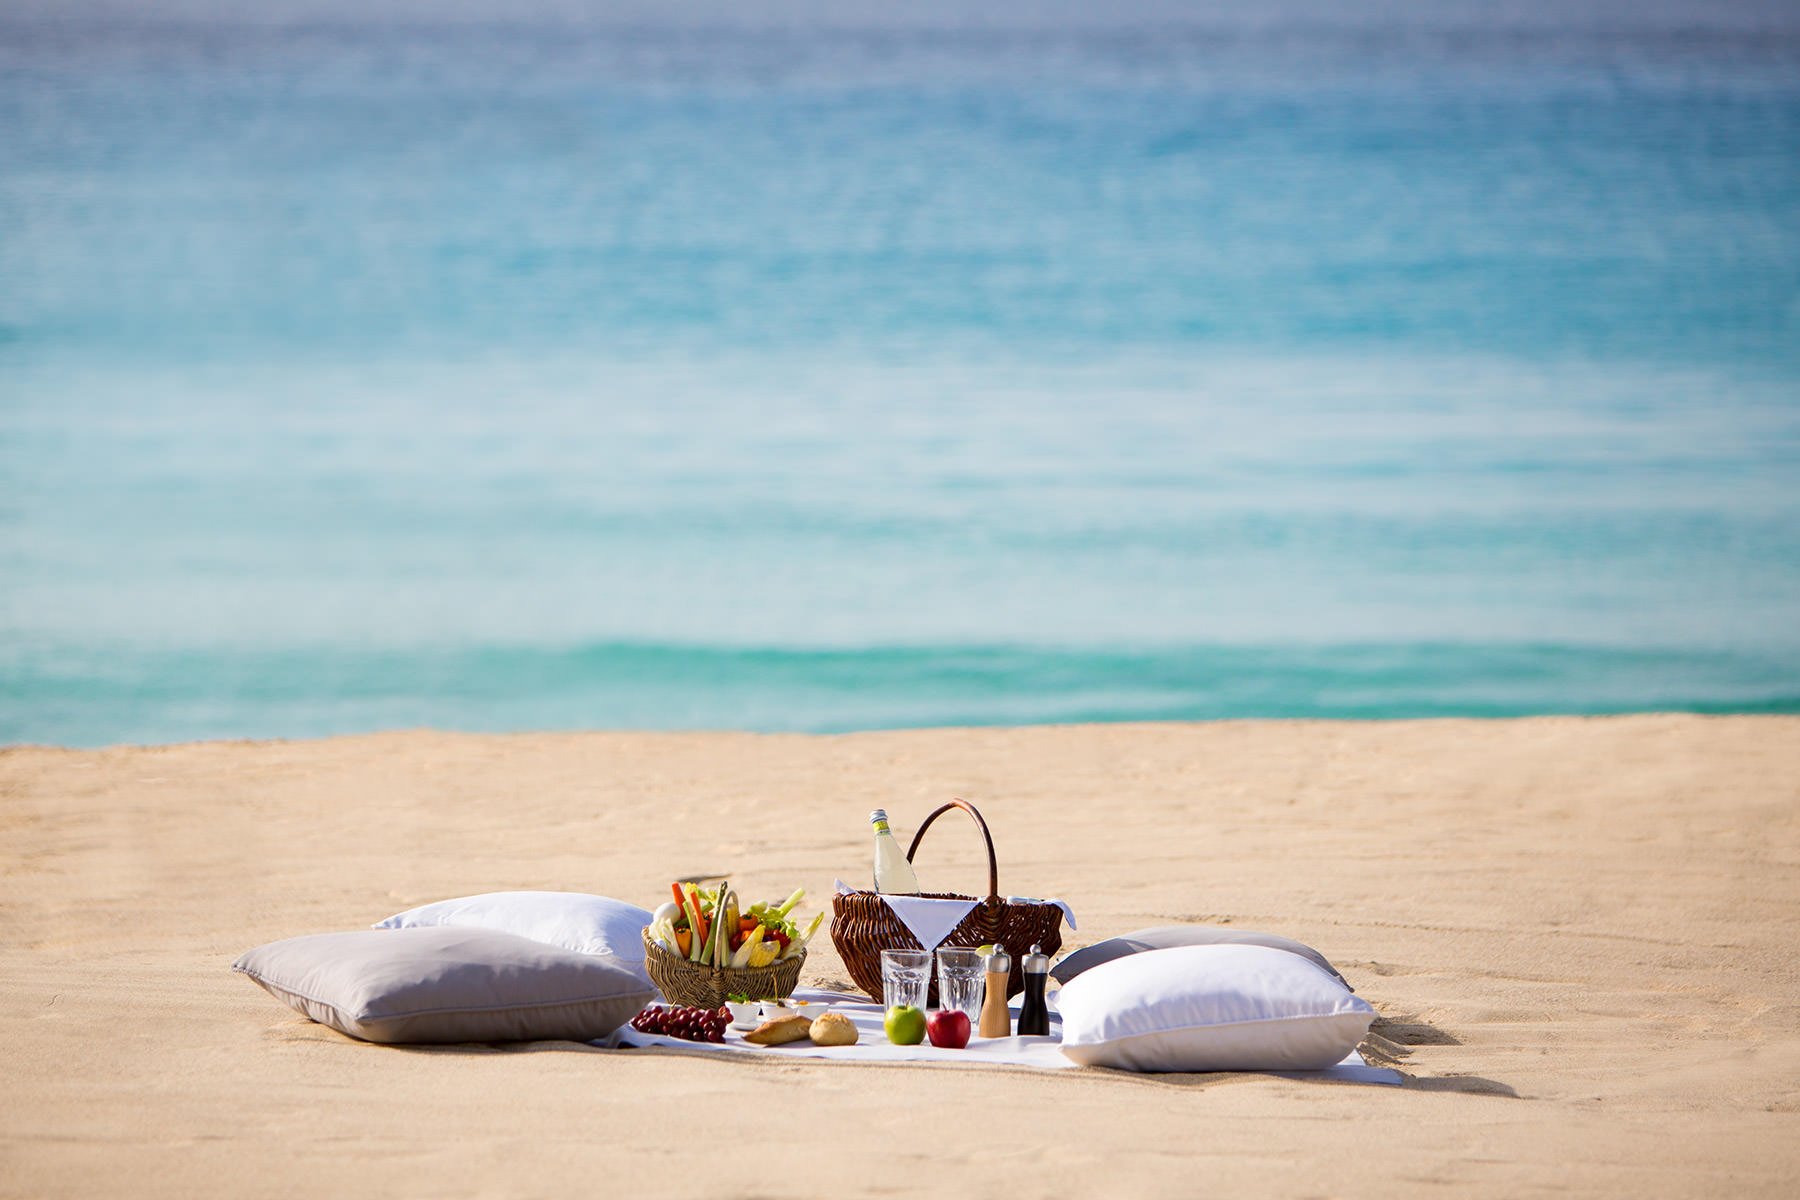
{"x": 962, "y": 980}
{"x": 905, "y": 977}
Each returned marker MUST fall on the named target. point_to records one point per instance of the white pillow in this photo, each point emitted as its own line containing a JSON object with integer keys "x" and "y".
{"x": 1210, "y": 1008}
{"x": 1166, "y": 937}
{"x": 573, "y": 920}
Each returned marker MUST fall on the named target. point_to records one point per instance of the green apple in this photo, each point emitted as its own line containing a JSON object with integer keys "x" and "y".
{"x": 905, "y": 1025}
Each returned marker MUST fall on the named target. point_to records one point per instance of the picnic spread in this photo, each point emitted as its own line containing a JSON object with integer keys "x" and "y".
{"x": 942, "y": 979}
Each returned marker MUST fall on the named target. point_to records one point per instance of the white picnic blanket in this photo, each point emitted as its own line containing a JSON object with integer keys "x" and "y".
{"x": 1041, "y": 1053}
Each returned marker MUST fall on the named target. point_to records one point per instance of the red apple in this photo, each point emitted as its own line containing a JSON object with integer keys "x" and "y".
{"x": 948, "y": 1028}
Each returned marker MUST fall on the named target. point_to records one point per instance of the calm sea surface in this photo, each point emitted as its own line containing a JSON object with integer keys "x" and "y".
{"x": 503, "y": 375}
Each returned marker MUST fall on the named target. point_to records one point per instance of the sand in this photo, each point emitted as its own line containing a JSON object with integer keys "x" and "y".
{"x": 1581, "y": 935}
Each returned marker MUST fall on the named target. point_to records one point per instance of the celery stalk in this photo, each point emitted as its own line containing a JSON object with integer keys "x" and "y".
{"x": 695, "y": 945}
{"x": 721, "y": 939}
{"x": 798, "y": 944}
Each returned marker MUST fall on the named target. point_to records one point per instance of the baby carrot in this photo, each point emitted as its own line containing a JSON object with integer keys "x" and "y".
{"x": 699, "y": 917}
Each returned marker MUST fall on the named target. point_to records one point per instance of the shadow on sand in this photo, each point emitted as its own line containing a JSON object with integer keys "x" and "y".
{"x": 1392, "y": 1040}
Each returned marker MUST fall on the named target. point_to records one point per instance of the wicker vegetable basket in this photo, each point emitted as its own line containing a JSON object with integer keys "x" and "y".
{"x": 685, "y": 982}
{"x": 862, "y": 924}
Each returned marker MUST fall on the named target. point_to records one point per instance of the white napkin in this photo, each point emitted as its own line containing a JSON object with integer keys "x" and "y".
{"x": 913, "y": 909}
{"x": 930, "y": 920}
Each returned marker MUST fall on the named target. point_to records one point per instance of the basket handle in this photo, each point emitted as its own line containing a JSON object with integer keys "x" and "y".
{"x": 993, "y": 863}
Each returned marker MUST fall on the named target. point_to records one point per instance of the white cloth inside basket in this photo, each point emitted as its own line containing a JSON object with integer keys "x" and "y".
{"x": 1068, "y": 913}
{"x": 929, "y": 920}
{"x": 932, "y": 920}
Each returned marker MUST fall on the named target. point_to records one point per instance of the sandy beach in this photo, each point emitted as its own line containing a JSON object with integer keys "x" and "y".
{"x": 1580, "y": 934}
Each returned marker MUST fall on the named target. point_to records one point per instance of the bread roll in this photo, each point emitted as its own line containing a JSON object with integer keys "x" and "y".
{"x": 778, "y": 1031}
{"x": 833, "y": 1029}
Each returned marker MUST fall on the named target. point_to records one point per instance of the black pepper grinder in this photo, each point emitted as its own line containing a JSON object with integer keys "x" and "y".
{"x": 1034, "y": 1013}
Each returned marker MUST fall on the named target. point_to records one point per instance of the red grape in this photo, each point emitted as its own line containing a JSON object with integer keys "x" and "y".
{"x": 683, "y": 1021}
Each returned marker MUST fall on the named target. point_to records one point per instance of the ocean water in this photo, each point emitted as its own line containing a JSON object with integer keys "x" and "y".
{"x": 479, "y": 370}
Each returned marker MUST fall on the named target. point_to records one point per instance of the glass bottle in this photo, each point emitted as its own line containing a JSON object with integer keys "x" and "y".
{"x": 893, "y": 872}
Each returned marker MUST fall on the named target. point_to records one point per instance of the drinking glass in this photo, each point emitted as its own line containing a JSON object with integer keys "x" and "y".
{"x": 962, "y": 980}
{"x": 905, "y": 977}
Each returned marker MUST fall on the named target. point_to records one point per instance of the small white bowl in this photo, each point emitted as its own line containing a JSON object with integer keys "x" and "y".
{"x": 745, "y": 1016}
{"x": 786, "y": 1008}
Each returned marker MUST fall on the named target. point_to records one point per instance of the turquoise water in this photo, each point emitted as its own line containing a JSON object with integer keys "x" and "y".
{"x": 504, "y": 374}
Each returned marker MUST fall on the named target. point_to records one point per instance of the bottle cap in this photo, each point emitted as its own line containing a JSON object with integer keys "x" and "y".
{"x": 1037, "y": 962}
{"x": 879, "y": 816}
{"x": 999, "y": 960}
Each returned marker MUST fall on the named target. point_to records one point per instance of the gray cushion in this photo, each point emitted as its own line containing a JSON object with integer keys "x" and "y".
{"x": 446, "y": 985}
{"x": 1167, "y": 937}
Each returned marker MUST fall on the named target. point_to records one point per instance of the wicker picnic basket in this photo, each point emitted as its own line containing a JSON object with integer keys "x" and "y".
{"x": 684, "y": 982}
{"x": 862, "y": 925}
